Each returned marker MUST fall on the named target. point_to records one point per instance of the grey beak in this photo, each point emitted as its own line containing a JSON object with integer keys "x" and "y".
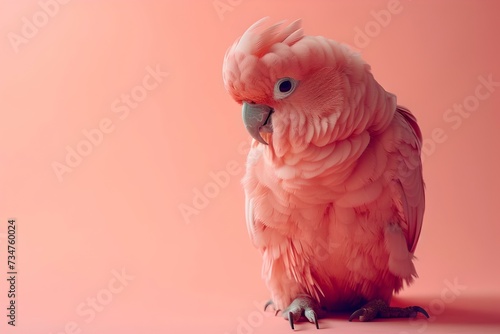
{"x": 257, "y": 118}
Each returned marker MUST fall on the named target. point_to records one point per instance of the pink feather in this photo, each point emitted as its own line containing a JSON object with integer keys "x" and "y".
{"x": 335, "y": 202}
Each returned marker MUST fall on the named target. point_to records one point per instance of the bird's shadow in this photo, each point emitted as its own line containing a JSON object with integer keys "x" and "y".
{"x": 473, "y": 310}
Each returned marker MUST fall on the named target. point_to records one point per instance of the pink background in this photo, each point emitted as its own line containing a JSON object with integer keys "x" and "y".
{"x": 119, "y": 207}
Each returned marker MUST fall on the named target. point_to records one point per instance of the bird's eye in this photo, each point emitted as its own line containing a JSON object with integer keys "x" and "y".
{"x": 284, "y": 87}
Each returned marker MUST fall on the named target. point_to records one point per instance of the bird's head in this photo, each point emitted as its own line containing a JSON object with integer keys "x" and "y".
{"x": 298, "y": 90}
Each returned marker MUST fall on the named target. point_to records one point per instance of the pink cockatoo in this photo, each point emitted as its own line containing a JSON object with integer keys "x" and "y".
{"x": 333, "y": 184}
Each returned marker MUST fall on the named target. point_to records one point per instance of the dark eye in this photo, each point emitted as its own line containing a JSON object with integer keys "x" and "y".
{"x": 284, "y": 87}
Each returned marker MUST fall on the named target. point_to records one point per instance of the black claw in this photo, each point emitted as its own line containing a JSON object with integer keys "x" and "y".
{"x": 359, "y": 313}
{"x": 313, "y": 318}
{"x": 290, "y": 318}
{"x": 421, "y": 310}
{"x": 316, "y": 322}
{"x": 269, "y": 302}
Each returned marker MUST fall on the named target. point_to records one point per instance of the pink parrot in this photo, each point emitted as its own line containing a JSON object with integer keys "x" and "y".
{"x": 333, "y": 185}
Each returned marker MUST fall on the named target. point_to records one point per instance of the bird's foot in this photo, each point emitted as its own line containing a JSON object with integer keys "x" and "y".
{"x": 379, "y": 309}
{"x": 303, "y": 305}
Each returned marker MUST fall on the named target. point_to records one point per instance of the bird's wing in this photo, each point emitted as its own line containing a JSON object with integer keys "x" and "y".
{"x": 408, "y": 185}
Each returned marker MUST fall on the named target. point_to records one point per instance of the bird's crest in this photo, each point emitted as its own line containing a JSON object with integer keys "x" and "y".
{"x": 257, "y": 40}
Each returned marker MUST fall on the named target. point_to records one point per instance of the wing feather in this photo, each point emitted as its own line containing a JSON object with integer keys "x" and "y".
{"x": 408, "y": 185}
